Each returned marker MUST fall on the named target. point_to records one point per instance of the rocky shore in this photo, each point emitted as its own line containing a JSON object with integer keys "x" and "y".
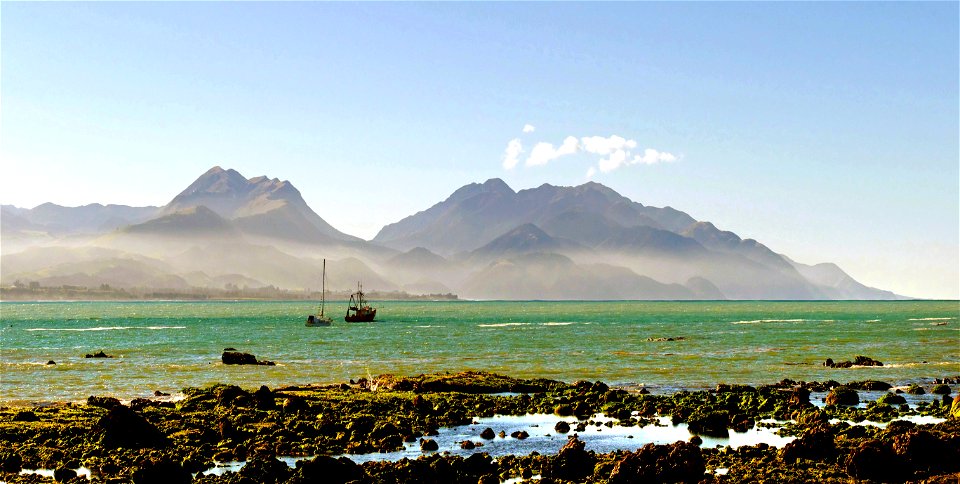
{"x": 149, "y": 440}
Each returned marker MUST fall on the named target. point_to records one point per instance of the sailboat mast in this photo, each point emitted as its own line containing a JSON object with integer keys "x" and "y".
{"x": 323, "y": 286}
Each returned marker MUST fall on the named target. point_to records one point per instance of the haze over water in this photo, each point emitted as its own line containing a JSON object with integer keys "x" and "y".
{"x": 167, "y": 346}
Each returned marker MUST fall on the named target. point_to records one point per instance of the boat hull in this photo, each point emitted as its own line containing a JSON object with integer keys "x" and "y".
{"x": 361, "y": 316}
{"x": 318, "y": 321}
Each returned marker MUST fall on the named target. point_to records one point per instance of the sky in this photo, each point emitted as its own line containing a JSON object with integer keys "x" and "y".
{"x": 826, "y": 130}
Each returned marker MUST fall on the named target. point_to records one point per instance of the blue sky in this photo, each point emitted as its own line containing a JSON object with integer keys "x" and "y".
{"x": 828, "y": 131}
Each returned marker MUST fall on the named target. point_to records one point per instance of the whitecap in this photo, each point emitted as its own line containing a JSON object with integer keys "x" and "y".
{"x": 107, "y": 328}
{"x": 931, "y": 319}
{"x": 555, "y": 323}
{"x": 501, "y": 325}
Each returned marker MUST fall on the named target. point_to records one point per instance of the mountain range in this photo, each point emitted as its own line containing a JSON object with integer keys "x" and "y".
{"x": 484, "y": 241}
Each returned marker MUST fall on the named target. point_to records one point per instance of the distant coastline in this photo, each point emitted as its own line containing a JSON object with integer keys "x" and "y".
{"x": 35, "y": 292}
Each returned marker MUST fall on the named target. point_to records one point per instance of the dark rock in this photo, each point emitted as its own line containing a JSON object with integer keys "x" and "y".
{"x": 955, "y": 407}
{"x": 10, "y": 462}
{"x": 678, "y": 462}
{"x": 915, "y": 390}
{"x": 62, "y": 474}
{"x": 264, "y": 398}
{"x": 231, "y": 395}
{"x": 160, "y": 471}
{"x": 487, "y": 434}
{"x": 122, "y": 427}
{"x": 103, "y": 402}
{"x": 561, "y": 427}
{"x": 429, "y": 445}
{"x": 870, "y": 385}
{"x": 941, "y": 389}
{"x": 158, "y": 393}
{"x": 572, "y": 463}
{"x": 696, "y": 440}
{"x": 799, "y": 396}
{"x": 861, "y": 360}
{"x": 843, "y": 396}
{"x": 327, "y": 470}
{"x": 51, "y": 362}
{"x": 563, "y": 410}
{"x": 815, "y": 444}
{"x": 712, "y": 423}
{"x": 520, "y": 434}
{"x": 467, "y": 445}
{"x": 238, "y": 358}
{"x": 99, "y": 354}
{"x": 25, "y": 416}
{"x": 892, "y": 399}
{"x": 479, "y": 464}
{"x": 294, "y": 404}
{"x": 502, "y": 434}
{"x": 266, "y": 470}
{"x": 875, "y": 460}
{"x": 925, "y": 452}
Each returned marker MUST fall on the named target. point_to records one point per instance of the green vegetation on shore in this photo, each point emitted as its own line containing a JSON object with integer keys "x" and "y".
{"x": 154, "y": 439}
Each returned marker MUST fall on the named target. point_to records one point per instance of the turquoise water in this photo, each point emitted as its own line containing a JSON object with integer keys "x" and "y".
{"x": 167, "y": 346}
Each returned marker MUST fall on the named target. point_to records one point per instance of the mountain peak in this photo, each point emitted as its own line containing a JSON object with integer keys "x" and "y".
{"x": 497, "y": 185}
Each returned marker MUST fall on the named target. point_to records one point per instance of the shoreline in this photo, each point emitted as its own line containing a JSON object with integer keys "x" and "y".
{"x": 224, "y": 423}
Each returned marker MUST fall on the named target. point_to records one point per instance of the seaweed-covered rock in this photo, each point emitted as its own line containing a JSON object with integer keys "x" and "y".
{"x": 713, "y": 423}
{"x": 799, "y": 396}
{"x": 677, "y": 462}
{"x": 327, "y": 470}
{"x": 915, "y": 389}
{"x": 429, "y": 445}
{"x": 561, "y": 427}
{"x": 160, "y": 471}
{"x": 479, "y": 464}
{"x": 870, "y": 385}
{"x": 875, "y": 460}
{"x": 815, "y": 444}
{"x": 266, "y": 470}
{"x": 892, "y": 399}
{"x": 941, "y": 389}
{"x": 924, "y": 451}
{"x": 122, "y": 427}
{"x": 102, "y": 402}
{"x": 25, "y": 416}
{"x": 572, "y": 463}
{"x": 843, "y": 396}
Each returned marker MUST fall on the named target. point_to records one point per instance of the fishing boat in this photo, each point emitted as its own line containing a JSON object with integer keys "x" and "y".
{"x": 358, "y": 311}
{"x": 321, "y": 319}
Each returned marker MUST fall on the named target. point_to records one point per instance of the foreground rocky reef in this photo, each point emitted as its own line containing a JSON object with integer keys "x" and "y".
{"x": 162, "y": 441}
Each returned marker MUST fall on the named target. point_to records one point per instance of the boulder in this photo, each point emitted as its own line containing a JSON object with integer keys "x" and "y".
{"x": 876, "y": 461}
{"x": 479, "y": 464}
{"x": 487, "y": 434}
{"x": 572, "y": 463}
{"x": 815, "y": 444}
{"x": 941, "y": 389}
{"x": 63, "y": 474}
{"x": 924, "y": 451}
{"x": 429, "y": 445}
{"x": 561, "y": 427}
{"x": 99, "y": 354}
{"x": 122, "y": 427}
{"x": 160, "y": 471}
{"x": 677, "y": 462}
{"x": 25, "y": 416}
{"x": 10, "y": 462}
{"x": 327, "y": 469}
{"x": 237, "y": 358}
{"x": 102, "y": 402}
{"x": 892, "y": 399}
{"x": 266, "y": 469}
{"x": 842, "y": 396}
{"x": 712, "y": 423}
{"x": 955, "y": 407}
{"x": 520, "y": 434}
{"x": 799, "y": 396}
{"x": 915, "y": 389}
{"x": 468, "y": 445}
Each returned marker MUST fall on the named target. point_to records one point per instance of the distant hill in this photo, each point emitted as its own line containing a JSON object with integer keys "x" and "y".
{"x": 483, "y": 241}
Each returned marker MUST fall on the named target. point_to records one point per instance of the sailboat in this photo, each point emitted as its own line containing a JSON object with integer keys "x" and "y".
{"x": 361, "y": 311}
{"x": 321, "y": 319}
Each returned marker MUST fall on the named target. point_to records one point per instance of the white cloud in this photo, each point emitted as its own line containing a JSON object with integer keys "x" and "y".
{"x": 529, "y": 128}
{"x": 511, "y": 155}
{"x": 615, "y": 152}
{"x": 544, "y": 153}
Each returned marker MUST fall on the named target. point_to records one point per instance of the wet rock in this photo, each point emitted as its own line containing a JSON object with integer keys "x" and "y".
{"x": 25, "y": 416}
{"x": 238, "y": 358}
{"x": 327, "y": 470}
{"x": 99, "y": 354}
{"x": 294, "y": 404}
{"x": 479, "y": 464}
{"x": 231, "y": 396}
{"x": 815, "y": 444}
{"x": 955, "y": 407}
{"x": 713, "y": 423}
{"x": 160, "y": 471}
{"x": 487, "y": 434}
{"x": 875, "y": 460}
{"x": 696, "y": 440}
{"x": 799, "y": 396}
{"x": 892, "y": 399}
{"x": 870, "y": 385}
{"x": 915, "y": 389}
{"x": 563, "y": 410}
{"x": 572, "y": 463}
{"x": 10, "y": 462}
{"x": 502, "y": 434}
{"x": 158, "y": 393}
{"x": 62, "y": 474}
{"x": 520, "y": 434}
{"x": 859, "y": 360}
{"x": 266, "y": 469}
{"x": 122, "y": 427}
{"x": 429, "y": 445}
{"x": 924, "y": 451}
{"x": 843, "y": 396}
{"x": 941, "y": 389}
{"x": 671, "y": 338}
{"x": 561, "y": 427}
{"x": 103, "y": 402}
{"x": 51, "y": 362}
{"x": 264, "y": 399}
{"x": 678, "y": 462}
{"x": 467, "y": 445}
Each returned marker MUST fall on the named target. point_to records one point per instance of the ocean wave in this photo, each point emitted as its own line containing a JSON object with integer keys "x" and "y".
{"x": 872, "y": 321}
{"x": 501, "y": 325}
{"x": 758, "y": 321}
{"x": 107, "y": 328}
{"x": 916, "y": 364}
{"x": 555, "y": 323}
{"x": 932, "y": 319}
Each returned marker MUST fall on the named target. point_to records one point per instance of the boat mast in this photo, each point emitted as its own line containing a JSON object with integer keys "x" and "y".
{"x": 323, "y": 285}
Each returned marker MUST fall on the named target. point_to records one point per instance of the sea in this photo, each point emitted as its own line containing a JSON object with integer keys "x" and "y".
{"x": 665, "y": 346}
